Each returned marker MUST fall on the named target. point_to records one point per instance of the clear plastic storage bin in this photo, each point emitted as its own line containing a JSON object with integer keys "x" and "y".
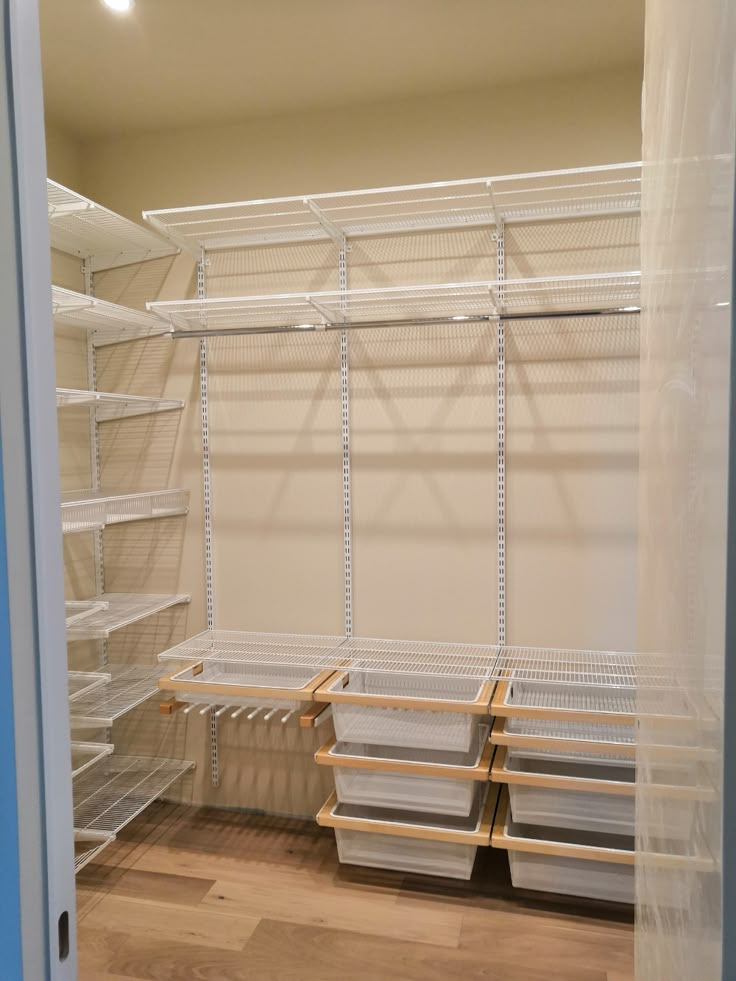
{"x": 415, "y": 727}
{"x": 378, "y": 789}
{"x": 385, "y": 851}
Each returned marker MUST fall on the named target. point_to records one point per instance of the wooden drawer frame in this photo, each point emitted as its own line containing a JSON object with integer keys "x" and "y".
{"x": 479, "y": 772}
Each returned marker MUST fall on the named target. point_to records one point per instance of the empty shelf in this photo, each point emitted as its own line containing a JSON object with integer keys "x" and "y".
{"x": 109, "y": 406}
{"x": 128, "y": 687}
{"x": 81, "y": 683}
{"x": 87, "y": 845}
{"x": 108, "y": 323}
{"x": 76, "y": 610}
{"x": 86, "y": 755}
{"x": 482, "y": 202}
{"x": 80, "y": 227}
{"x": 402, "y": 305}
{"x": 118, "y": 610}
{"x": 88, "y": 510}
{"x": 238, "y": 646}
{"x": 110, "y": 796}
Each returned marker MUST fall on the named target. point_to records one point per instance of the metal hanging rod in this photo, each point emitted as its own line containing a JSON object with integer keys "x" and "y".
{"x": 408, "y": 322}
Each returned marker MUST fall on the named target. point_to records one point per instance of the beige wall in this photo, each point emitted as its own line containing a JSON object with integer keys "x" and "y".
{"x": 63, "y": 157}
{"x": 535, "y": 126}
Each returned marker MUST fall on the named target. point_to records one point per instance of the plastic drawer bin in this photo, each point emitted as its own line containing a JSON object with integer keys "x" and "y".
{"x": 569, "y": 700}
{"x": 437, "y": 727}
{"x": 561, "y": 794}
{"x": 572, "y": 876}
{"x": 381, "y": 851}
{"x": 572, "y": 863}
{"x": 405, "y": 792}
{"x": 411, "y": 779}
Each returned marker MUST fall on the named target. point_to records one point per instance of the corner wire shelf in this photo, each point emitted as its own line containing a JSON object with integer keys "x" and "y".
{"x": 87, "y": 755}
{"x": 79, "y": 226}
{"x": 108, "y": 323}
{"x": 478, "y": 203}
{"x": 118, "y": 610}
{"x": 76, "y": 610}
{"x": 90, "y": 510}
{"x": 128, "y": 687}
{"x": 622, "y": 670}
{"x": 109, "y": 797}
{"x": 109, "y": 406}
{"x": 334, "y": 310}
{"x": 81, "y": 683}
{"x": 87, "y": 846}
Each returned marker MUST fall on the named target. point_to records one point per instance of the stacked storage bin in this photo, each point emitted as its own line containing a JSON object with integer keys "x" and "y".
{"x": 566, "y": 755}
{"x": 411, "y": 760}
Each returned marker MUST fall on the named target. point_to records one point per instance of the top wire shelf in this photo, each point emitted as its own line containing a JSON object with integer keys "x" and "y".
{"x": 520, "y": 298}
{"x": 108, "y": 323}
{"x": 83, "y": 228}
{"x": 485, "y": 662}
{"x": 477, "y": 203}
{"x": 109, "y": 406}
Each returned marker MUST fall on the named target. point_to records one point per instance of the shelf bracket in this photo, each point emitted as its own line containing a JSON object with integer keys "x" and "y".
{"x": 323, "y": 311}
{"x": 334, "y": 231}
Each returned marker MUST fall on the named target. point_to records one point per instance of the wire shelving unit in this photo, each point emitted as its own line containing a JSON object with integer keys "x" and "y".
{"x": 90, "y": 510}
{"x": 83, "y": 228}
{"x": 106, "y": 323}
{"x": 81, "y": 683}
{"x": 109, "y": 797}
{"x": 485, "y": 202}
{"x": 442, "y": 302}
{"x": 109, "y": 406}
{"x": 87, "y": 846}
{"x": 119, "y": 610}
{"x": 127, "y": 688}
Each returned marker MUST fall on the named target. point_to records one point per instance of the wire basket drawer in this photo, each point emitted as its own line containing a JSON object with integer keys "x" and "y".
{"x": 572, "y": 876}
{"x": 405, "y": 727}
{"x": 404, "y": 792}
{"x": 609, "y": 813}
{"x": 380, "y": 851}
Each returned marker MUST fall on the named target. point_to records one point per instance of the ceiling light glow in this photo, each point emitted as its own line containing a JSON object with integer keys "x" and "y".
{"x": 119, "y": 6}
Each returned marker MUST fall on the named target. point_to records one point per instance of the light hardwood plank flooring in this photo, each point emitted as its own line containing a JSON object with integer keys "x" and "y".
{"x": 199, "y": 894}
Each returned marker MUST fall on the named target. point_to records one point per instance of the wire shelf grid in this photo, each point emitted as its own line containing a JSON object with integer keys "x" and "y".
{"x": 108, "y": 323}
{"x": 402, "y": 304}
{"x": 109, "y": 797}
{"x": 128, "y": 687}
{"x": 481, "y": 202}
{"x": 88, "y": 846}
{"x": 109, "y": 406}
{"x": 118, "y": 610}
{"x": 87, "y": 755}
{"x": 569, "y": 669}
{"x": 90, "y": 510}
{"x": 81, "y": 683}
{"x": 76, "y": 610}
{"x": 83, "y": 228}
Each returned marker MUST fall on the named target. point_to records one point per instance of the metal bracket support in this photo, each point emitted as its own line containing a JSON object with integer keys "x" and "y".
{"x": 334, "y": 231}
{"x": 345, "y": 430}
{"x": 501, "y": 434}
{"x": 207, "y": 505}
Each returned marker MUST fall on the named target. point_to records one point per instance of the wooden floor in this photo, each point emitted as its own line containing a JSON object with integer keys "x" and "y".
{"x": 190, "y": 894}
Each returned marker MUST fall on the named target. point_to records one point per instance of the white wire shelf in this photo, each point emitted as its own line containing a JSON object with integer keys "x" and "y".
{"x": 128, "y": 687}
{"x": 118, "y": 610}
{"x": 87, "y": 755}
{"x": 576, "y": 668}
{"x": 476, "y": 203}
{"x": 87, "y": 846}
{"x": 109, "y": 406}
{"x": 108, "y": 323}
{"x": 76, "y": 610}
{"x": 82, "y": 683}
{"x": 109, "y": 797}
{"x": 554, "y": 296}
{"x": 90, "y": 510}
{"x": 83, "y": 228}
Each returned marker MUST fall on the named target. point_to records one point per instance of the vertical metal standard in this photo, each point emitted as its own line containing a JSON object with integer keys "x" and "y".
{"x": 94, "y": 447}
{"x": 207, "y": 504}
{"x": 345, "y": 414}
{"x": 501, "y": 435}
